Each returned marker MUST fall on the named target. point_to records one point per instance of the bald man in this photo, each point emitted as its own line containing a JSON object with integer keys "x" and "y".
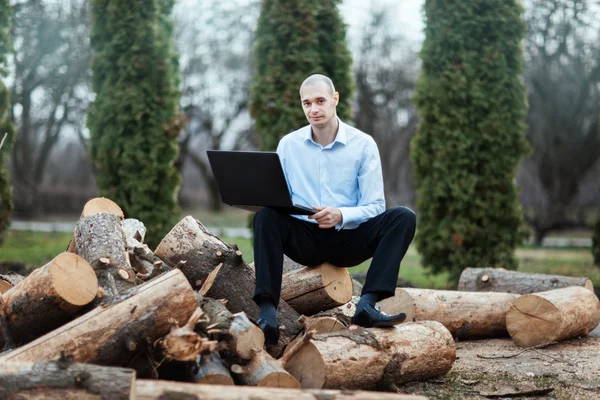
{"x": 335, "y": 169}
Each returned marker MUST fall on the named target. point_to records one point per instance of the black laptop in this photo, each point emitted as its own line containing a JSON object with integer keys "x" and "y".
{"x": 252, "y": 180}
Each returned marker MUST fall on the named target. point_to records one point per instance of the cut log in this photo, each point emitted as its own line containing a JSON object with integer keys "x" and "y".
{"x": 64, "y": 380}
{"x": 467, "y": 315}
{"x": 210, "y": 370}
{"x": 144, "y": 262}
{"x": 9, "y": 280}
{"x": 161, "y": 390}
{"x": 321, "y": 324}
{"x": 244, "y": 336}
{"x": 190, "y": 247}
{"x": 183, "y": 344}
{"x": 101, "y": 242}
{"x": 114, "y": 334}
{"x": 264, "y": 370}
{"x": 309, "y": 290}
{"x": 49, "y": 297}
{"x": 374, "y": 358}
{"x": 343, "y": 313}
{"x": 134, "y": 229}
{"x": 94, "y": 206}
{"x": 235, "y": 282}
{"x": 546, "y": 317}
{"x": 502, "y": 280}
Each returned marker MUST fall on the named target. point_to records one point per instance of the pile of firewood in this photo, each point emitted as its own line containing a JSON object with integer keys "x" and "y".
{"x": 110, "y": 318}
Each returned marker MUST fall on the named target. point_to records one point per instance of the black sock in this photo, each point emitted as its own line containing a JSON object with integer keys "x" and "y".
{"x": 268, "y": 311}
{"x": 365, "y": 300}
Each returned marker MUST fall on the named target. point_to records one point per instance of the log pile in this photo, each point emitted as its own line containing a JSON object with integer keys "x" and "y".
{"x": 111, "y": 318}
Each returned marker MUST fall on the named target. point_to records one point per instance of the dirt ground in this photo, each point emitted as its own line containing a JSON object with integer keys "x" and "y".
{"x": 497, "y": 368}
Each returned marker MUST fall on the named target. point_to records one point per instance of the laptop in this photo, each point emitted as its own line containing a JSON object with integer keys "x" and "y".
{"x": 252, "y": 180}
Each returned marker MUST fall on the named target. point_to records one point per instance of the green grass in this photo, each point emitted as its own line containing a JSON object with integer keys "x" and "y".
{"x": 35, "y": 249}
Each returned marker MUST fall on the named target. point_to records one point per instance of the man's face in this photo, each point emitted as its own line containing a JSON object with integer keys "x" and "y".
{"x": 318, "y": 103}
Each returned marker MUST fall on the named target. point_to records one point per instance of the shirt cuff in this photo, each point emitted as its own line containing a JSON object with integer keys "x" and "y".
{"x": 349, "y": 215}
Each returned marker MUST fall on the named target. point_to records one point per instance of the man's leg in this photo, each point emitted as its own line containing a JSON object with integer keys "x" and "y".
{"x": 385, "y": 238}
{"x": 275, "y": 234}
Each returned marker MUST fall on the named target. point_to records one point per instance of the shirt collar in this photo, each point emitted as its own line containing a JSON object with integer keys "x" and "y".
{"x": 340, "y": 137}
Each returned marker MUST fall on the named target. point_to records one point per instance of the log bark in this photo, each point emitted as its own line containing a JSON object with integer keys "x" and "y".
{"x": 467, "y": 315}
{"x": 100, "y": 241}
{"x": 144, "y": 262}
{"x": 8, "y": 281}
{"x": 309, "y": 290}
{"x": 235, "y": 282}
{"x": 116, "y": 333}
{"x": 551, "y": 316}
{"x": 210, "y": 370}
{"x": 49, "y": 297}
{"x": 64, "y": 380}
{"x": 263, "y": 370}
{"x": 502, "y": 280}
{"x": 163, "y": 390}
{"x": 190, "y": 247}
{"x": 94, "y": 206}
{"x": 374, "y": 358}
{"x": 134, "y": 229}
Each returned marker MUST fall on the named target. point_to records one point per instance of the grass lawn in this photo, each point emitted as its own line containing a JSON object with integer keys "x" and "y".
{"x": 34, "y": 249}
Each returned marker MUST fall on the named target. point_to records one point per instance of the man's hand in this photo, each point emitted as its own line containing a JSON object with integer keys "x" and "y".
{"x": 327, "y": 217}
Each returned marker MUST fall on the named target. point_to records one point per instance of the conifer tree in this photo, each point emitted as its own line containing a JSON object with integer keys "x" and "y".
{"x": 471, "y": 103}
{"x": 134, "y": 121}
{"x": 294, "y": 40}
{"x": 7, "y": 130}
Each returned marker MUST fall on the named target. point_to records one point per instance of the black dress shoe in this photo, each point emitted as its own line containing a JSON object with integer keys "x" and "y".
{"x": 370, "y": 317}
{"x": 271, "y": 332}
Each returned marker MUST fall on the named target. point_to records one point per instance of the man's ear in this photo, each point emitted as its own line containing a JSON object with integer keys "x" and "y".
{"x": 336, "y": 98}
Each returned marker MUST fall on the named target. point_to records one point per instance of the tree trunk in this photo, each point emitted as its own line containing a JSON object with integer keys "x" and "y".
{"x": 114, "y": 334}
{"x": 552, "y": 316}
{"x": 49, "y": 297}
{"x": 163, "y": 390}
{"x": 95, "y": 206}
{"x": 466, "y": 315}
{"x": 263, "y": 370}
{"x": 374, "y": 358}
{"x": 235, "y": 282}
{"x": 63, "y": 380}
{"x": 310, "y": 290}
{"x": 8, "y": 281}
{"x": 502, "y": 280}
{"x": 100, "y": 240}
{"x": 190, "y": 247}
{"x": 210, "y": 370}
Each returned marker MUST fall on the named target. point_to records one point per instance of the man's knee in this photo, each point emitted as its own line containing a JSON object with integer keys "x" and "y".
{"x": 403, "y": 215}
{"x": 266, "y": 216}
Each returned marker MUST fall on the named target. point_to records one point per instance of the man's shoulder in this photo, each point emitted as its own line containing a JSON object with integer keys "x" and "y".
{"x": 356, "y": 134}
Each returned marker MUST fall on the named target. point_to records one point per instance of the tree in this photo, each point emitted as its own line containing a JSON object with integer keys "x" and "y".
{"x": 294, "y": 40}
{"x": 134, "y": 121}
{"x": 7, "y": 131}
{"x": 49, "y": 88}
{"x": 562, "y": 75}
{"x": 470, "y": 138}
{"x": 386, "y": 73}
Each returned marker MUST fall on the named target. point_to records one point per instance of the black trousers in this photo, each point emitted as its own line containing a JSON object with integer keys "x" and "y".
{"x": 385, "y": 238}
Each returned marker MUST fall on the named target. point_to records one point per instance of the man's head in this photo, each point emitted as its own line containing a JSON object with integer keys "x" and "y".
{"x": 319, "y": 100}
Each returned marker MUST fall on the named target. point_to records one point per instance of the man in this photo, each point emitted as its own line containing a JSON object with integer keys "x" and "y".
{"x": 335, "y": 169}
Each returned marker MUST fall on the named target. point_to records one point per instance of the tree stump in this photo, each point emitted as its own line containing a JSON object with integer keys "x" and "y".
{"x": 94, "y": 206}
{"x": 374, "y": 358}
{"x": 162, "y": 390}
{"x": 114, "y": 334}
{"x": 190, "y": 247}
{"x": 467, "y": 315}
{"x": 100, "y": 240}
{"x": 49, "y": 297}
{"x": 64, "y": 380}
{"x": 263, "y": 370}
{"x": 552, "y": 316}
{"x": 502, "y": 280}
{"x": 309, "y": 290}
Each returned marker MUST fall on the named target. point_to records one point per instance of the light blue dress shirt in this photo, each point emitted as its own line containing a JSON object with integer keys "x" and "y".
{"x": 346, "y": 174}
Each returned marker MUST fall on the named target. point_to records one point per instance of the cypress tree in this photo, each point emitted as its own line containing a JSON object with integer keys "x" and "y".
{"x": 7, "y": 130}
{"x": 471, "y": 103}
{"x": 294, "y": 40}
{"x": 134, "y": 121}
